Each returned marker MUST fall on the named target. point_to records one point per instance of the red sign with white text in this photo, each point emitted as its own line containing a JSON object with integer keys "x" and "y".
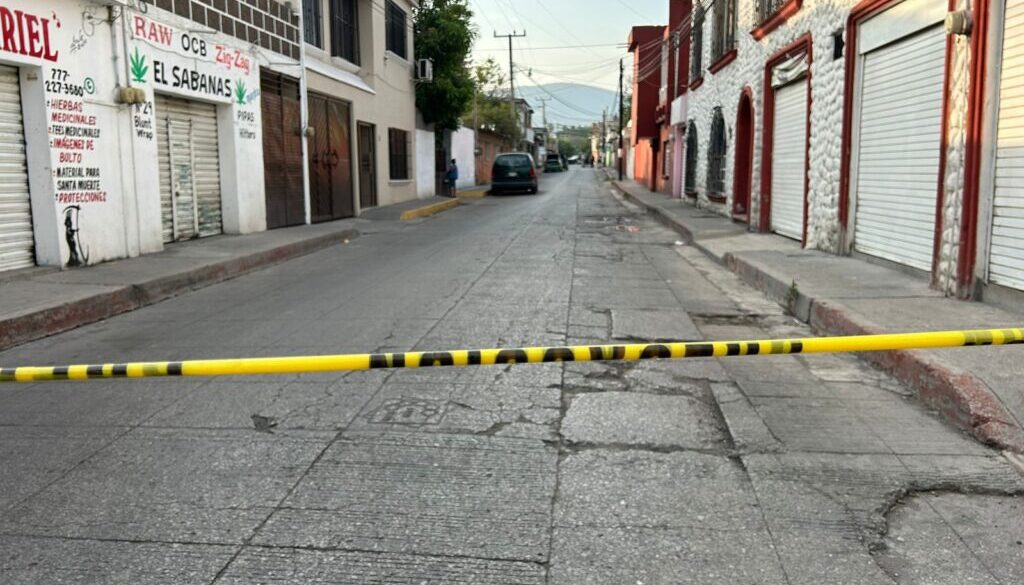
{"x": 23, "y": 33}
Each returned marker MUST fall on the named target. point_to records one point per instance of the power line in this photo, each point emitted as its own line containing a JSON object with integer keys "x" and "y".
{"x": 633, "y": 10}
{"x": 560, "y": 47}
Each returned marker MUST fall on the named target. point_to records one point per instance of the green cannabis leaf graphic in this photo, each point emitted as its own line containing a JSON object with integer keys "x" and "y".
{"x": 139, "y": 67}
{"x": 240, "y": 92}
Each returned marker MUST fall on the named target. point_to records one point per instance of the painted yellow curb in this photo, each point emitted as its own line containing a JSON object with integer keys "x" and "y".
{"x": 428, "y": 210}
{"x": 474, "y": 193}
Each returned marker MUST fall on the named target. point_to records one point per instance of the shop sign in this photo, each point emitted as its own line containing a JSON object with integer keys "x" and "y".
{"x": 26, "y": 34}
{"x": 187, "y": 63}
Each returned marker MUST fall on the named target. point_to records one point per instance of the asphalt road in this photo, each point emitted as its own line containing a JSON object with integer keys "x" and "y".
{"x": 787, "y": 469}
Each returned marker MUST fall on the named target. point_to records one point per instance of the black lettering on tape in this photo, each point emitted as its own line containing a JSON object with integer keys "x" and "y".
{"x": 753, "y": 348}
{"x": 656, "y": 352}
{"x": 119, "y": 370}
{"x": 511, "y": 356}
{"x": 7, "y": 374}
{"x": 94, "y": 372}
{"x": 474, "y": 358}
{"x": 796, "y": 347}
{"x": 60, "y": 373}
{"x": 397, "y": 360}
{"x": 559, "y": 354}
{"x": 437, "y": 358}
{"x": 979, "y": 338}
{"x": 700, "y": 350}
{"x": 733, "y": 349}
{"x": 378, "y": 361}
{"x": 607, "y": 352}
{"x": 174, "y": 369}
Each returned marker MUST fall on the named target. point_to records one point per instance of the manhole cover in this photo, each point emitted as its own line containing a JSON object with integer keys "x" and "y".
{"x": 406, "y": 411}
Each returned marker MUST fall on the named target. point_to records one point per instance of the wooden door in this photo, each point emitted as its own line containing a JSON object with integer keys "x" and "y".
{"x": 319, "y": 161}
{"x": 282, "y": 150}
{"x": 342, "y": 190}
{"x": 367, "y": 166}
{"x": 330, "y": 160}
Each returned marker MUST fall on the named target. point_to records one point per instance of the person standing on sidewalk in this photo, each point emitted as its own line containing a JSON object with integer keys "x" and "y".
{"x": 452, "y": 177}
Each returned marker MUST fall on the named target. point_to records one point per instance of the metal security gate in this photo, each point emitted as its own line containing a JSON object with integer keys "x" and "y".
{"x": 899, "y": 149}
{"x": 1006, "y": 250}
{"x": 789, "y": 160}
{"x": 16, "y": 239}
{"x": 187, "y": 152}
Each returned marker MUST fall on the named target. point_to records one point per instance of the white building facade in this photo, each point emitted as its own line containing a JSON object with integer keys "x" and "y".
{"x": 361, "y": 104}
{"x": 847, "y": 126}
{"x": 129, "y": 125}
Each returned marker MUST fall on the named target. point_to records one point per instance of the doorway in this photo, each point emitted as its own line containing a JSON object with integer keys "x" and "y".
{"x": 330, "y": 162}
{"x": 367, "y": 165}
{"x": 282, "y": 150}
{"x": 744, "y": 162}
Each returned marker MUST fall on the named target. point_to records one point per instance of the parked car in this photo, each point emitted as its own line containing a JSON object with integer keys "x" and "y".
{"x": 514, "y": 171}
{"x": 553, "y": 165}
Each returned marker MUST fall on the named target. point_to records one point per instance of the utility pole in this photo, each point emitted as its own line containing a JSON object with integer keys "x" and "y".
{"x": 622, "y": 113}
{"x": 604, "y": 133}
{"x": 544, "y": 114}
{"x": 511, "y": 73}
{"x": 544, "y": 109}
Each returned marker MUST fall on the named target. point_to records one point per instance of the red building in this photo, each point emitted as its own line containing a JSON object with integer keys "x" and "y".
{"x": 645, "y": 42}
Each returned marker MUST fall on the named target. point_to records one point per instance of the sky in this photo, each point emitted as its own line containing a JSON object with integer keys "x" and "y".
{"x": 563, "y": 23}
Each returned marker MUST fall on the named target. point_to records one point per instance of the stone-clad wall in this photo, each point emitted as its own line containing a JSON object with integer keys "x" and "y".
{"x": 822, "y": 19}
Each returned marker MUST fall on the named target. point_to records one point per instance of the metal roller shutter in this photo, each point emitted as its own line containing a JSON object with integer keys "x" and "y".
{"x": 187, "y": 151}
{"x": 789, "y": 165}
{"x": 1006, "y": 252}
{"x": 898, "y": 153}
{"x": 16, "y": 239}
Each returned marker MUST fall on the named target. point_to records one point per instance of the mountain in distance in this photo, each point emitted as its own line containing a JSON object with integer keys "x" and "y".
{"x": 571, "y": 104}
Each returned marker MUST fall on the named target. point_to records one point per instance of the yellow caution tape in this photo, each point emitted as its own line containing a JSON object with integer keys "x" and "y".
{"x": 526, "y": 355}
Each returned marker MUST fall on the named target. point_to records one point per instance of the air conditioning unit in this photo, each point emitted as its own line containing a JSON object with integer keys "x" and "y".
{"x": 425, "y": 70}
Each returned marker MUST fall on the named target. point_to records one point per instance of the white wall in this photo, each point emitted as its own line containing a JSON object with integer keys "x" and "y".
{"x": 424, "y": 163}
{"x": 72, "y": 129}
{"x": 463, "y": 145}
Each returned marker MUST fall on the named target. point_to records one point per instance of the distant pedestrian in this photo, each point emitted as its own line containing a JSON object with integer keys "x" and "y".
{"x": 452, "y": 178}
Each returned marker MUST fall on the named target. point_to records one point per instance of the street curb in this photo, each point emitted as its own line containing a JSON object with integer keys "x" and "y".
{"x": 960, "y": 397}
{"x": 53, "y": 320}
{"x": 432, "y": 209}
{"x": 474, "y": 193}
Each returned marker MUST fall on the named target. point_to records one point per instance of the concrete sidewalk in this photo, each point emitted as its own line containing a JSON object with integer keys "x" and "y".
{"x": 42, "y": 302}
{"x": 977, "y": 389}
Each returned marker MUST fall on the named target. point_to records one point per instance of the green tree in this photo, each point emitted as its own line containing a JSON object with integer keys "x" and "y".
{"x": 490, "y": 108}
{"x": 568, "y": 147}
{"x": 444, "y": 33}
